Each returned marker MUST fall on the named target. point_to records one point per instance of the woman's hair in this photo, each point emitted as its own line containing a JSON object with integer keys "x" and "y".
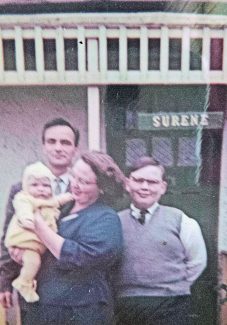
{"x": 110, "y": 178}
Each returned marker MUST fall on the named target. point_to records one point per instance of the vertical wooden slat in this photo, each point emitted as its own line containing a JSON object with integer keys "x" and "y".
{"x": 1, "y": 58}
{"x": 123, "y": 53}
{"x": 102, "y": 51}
{"x": 92, "y": 56}
{"x": 164, "y": 59}
{"x": 60, "y": 54}
{"x": 185, "y": 53}
{"x": 225, "y": 56}
{"x": 93, "y": 118}
{"x": 143, "y": 51}
{"x": 206, "y": 54}
{"x": 81, "y": 52}
{"x": 39, "y": 53}
{"x": 19, "y": 53}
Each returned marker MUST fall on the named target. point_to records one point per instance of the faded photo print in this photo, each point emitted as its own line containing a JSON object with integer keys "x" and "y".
{"x": 113, "y": 152}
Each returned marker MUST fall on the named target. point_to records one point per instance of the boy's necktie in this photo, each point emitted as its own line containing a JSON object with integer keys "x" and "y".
{"x": 141, "y": 219}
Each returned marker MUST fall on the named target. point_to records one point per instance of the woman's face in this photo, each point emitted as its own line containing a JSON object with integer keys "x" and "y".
{"x": 84, "y": 186}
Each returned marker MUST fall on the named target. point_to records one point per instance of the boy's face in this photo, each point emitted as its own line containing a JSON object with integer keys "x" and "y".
{"x": 146, "y": 186}
{"x": 39, "y": 187}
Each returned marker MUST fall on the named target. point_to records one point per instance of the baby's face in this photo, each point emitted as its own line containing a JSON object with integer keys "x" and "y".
{"x": 39, "y": 187}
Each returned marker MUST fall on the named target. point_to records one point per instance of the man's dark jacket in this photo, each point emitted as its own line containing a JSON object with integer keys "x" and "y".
{"x": 9, "y": 269}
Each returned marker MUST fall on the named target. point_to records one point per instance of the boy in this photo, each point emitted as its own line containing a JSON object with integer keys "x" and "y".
{"x": 164, "y": 253}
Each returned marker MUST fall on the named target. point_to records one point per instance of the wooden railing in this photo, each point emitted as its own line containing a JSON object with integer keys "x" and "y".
{"x": 99, "y": 49}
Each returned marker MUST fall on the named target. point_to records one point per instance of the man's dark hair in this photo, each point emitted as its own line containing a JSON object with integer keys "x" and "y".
{"x": 145, "y": 161}
{"x": 60, "y": 121}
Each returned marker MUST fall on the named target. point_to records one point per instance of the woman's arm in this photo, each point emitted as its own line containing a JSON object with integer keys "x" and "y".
{"x": 98, "y": 244}
{"x": 50, "y": 239}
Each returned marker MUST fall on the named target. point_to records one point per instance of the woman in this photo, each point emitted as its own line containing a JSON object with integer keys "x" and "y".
{"x": 73, "y": 283}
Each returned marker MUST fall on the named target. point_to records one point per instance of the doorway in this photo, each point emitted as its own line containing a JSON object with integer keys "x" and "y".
{"x": 191, "y": 157}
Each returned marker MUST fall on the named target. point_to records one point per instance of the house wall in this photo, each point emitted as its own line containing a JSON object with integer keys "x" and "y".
{"x": 23, "y": 112}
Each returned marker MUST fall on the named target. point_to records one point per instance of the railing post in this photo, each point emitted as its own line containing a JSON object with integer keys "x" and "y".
{"x": 60, "y": 55}
{"x": 185, "y": 53}
{"x": 164, "y": 55}
{"x": 39, "y": 53}
{"x": 206, "y": 54}
{"x": 123, "y": 53}
{"x": 143, "y": 51}
{"x": 19, "y": 53}
{"x": 81, "y": 52}
{"x": 1, "y": 58}
{"x": 225, "y": 56}
{"x": 102, "y": 52}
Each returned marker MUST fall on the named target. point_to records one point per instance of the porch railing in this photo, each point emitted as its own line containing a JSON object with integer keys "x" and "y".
{"x": 99, "y": 49}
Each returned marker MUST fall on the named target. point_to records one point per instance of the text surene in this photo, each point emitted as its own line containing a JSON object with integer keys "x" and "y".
{"x": 180, "y": 120}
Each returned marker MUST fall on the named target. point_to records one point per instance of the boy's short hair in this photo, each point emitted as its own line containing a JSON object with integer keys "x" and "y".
{"x": 145, "y": 161}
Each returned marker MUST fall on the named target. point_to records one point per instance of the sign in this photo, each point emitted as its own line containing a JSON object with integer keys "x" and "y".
{"x": 179, "y": 121}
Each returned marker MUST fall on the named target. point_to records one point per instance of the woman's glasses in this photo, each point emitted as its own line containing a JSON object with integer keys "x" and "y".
{"x": 81, "y": 181}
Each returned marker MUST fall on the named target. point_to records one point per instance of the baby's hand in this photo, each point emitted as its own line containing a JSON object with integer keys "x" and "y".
{"x": 64, "y": 198}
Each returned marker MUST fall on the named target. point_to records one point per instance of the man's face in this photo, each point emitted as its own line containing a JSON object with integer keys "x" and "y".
{"x": 59, "y": 146}
{"x": 146, "y": 186}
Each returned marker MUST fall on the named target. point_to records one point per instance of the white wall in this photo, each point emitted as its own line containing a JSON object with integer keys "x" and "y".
{"x": 23, "y": 112}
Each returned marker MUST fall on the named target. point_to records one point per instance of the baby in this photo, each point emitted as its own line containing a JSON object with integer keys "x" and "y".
{"x": 36, "y": 195}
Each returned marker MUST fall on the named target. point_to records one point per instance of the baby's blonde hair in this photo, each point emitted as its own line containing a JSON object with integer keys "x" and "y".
{"x": 37, "y": 170}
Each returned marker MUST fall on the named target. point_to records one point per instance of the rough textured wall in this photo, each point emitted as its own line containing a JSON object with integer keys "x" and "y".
{"x": 23, "y": 112}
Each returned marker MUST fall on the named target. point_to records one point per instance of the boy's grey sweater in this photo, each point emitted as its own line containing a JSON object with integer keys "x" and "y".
{"x": 154, "y": 260}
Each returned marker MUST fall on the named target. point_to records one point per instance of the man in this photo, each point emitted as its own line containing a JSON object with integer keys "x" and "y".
{"x": 164, "y": 253}
{"x": 60, "y": 144}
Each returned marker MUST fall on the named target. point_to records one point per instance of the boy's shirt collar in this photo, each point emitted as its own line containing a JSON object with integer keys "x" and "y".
{"x": 135, "y": 212}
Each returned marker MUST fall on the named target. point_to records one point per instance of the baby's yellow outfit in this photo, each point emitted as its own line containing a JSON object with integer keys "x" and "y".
{"x": 17, "y": 235}
{"x": 25, "y": 207}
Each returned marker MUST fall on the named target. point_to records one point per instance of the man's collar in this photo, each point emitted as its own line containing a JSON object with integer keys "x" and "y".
{"x": 65, "y": 178}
